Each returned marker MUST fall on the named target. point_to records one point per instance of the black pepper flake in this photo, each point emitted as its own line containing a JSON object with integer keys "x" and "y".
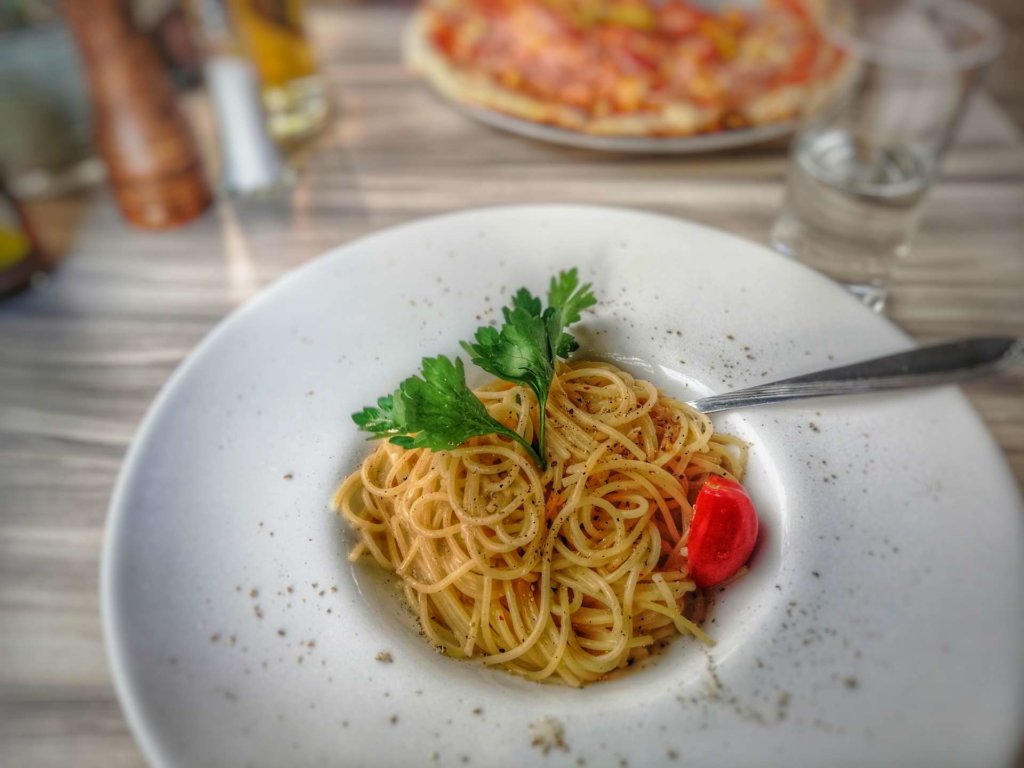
{"x": 393, "y": 719}
{"x": 281, "y": 632}
{"x": 289, "y": 476}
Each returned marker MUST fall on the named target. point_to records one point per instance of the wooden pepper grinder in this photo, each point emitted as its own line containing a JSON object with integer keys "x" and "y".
{"x": 149, "y": 151}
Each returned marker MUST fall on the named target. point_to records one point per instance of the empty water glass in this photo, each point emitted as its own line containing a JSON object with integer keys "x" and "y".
{"x": 899, "y": 75}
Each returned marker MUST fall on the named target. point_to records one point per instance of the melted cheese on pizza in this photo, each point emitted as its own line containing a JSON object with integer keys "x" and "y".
{"x": 621, "y": 57}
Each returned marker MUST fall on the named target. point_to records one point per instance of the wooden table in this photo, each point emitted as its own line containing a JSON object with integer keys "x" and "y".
{"x": 82, "y": 358}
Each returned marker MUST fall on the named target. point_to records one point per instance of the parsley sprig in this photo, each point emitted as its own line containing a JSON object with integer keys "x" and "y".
{"x": 440, "y": 412}
{"x": 525, "y": 349}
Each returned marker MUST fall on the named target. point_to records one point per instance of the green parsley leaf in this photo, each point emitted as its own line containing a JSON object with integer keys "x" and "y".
{"x": 380, "y": 420}
{"x": 567, "y": 300}
{"x": 524, "y": 350}
{"x": 438, "y": 411}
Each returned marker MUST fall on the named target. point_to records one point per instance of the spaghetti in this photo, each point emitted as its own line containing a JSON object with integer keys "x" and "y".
{"x": 566, "y": 574}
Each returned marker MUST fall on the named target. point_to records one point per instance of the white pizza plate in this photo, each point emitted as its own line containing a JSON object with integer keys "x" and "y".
{"x": 646, "y": 145}
{"x": 881, "y": 622}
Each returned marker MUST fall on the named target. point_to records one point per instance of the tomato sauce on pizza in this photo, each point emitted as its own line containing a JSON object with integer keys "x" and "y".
{"x": 622, "y": 66}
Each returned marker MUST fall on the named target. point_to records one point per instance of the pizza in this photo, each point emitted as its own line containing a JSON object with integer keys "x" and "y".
{"x": 621, "y": 67}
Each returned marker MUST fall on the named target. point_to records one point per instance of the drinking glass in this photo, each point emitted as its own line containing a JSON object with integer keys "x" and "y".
{"x": 294, "y": 93}
{"x": 899, "y": 76}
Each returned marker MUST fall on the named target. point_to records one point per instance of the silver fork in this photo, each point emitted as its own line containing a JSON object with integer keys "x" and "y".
{"x": 940, "y": 364}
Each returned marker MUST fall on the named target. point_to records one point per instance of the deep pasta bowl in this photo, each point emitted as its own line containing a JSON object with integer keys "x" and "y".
{"x": 881, "y": 621}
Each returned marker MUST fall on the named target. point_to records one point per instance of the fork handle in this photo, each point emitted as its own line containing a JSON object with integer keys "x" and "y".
{"x": 927, "y": 366}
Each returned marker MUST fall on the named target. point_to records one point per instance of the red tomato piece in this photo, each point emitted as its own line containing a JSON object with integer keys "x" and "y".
{"x": 723, "y": 531}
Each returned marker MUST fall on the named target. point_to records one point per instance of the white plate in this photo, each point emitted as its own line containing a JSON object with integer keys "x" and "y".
{"x": 882, "y": 622}
{"x": 647, "y": 145}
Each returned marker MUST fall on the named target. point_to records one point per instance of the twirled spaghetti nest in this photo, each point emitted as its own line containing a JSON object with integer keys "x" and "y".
{"x": 569, "y": 573}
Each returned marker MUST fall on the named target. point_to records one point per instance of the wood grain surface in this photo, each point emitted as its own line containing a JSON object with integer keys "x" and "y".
{"x": 1004, "y": 80}
{"x": 82, "y": 357}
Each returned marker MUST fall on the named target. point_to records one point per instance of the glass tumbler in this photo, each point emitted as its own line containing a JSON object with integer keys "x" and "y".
{"x": 294, "y": 93}
{"x": 899, "y": 76}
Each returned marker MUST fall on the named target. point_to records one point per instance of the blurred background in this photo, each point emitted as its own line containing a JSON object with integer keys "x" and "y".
{"x": 161, "y": 161}
{"x": 228, "y": 101}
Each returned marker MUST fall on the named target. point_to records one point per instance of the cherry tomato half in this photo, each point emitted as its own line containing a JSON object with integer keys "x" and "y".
{"x": 723, "y": 531}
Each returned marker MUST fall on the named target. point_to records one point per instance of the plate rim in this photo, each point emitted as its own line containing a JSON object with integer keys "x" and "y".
{"x": 694, "y": 144}
{"x": 117, "y": 509}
